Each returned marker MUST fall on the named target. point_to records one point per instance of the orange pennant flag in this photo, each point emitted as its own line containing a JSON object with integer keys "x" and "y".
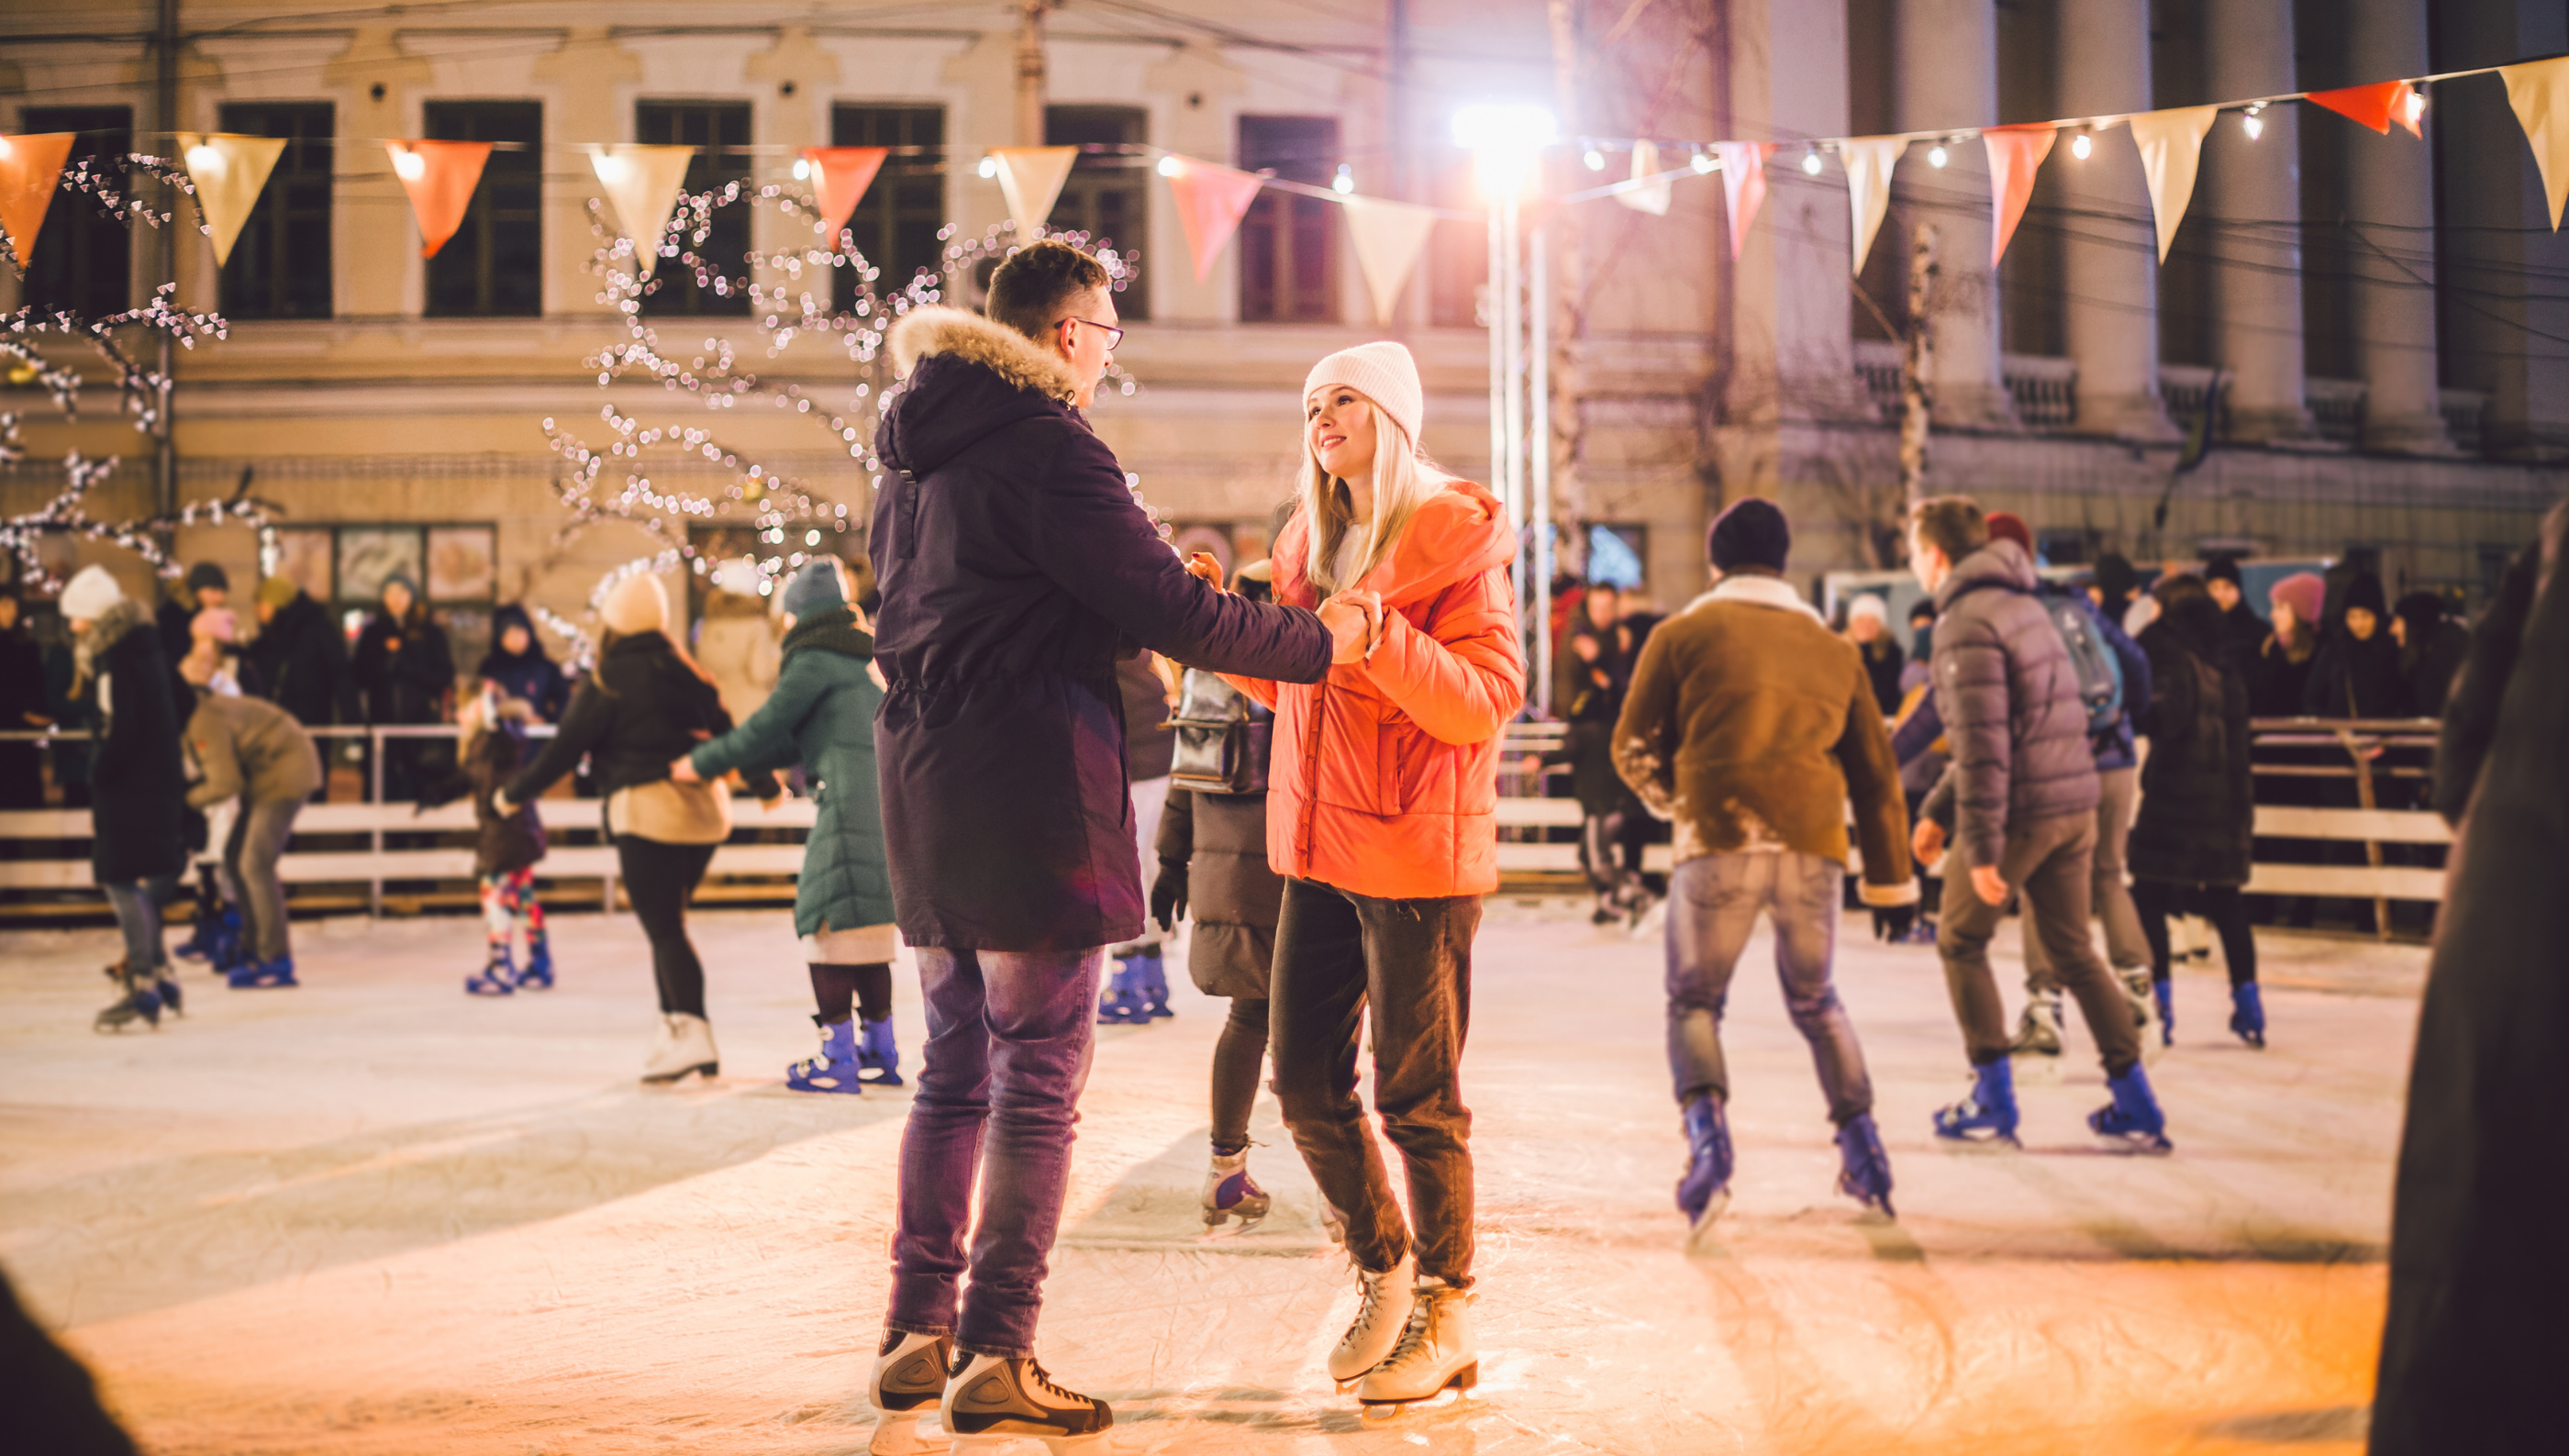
{"x": 440, "y": 178}
{"x": 840, "y": 176}
{"x": 2366, "y": 106}
{"x": 1743, "y": 186}
{"x": 31, "y": 167}
{"x": 1211, "y": 202}
{"x": 2015, "y": 154}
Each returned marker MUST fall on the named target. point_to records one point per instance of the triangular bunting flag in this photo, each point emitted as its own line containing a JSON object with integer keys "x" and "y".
{"x": 29, "y": 169}
{"x": 2366, "y": 106}
{"x": 1388, "y": 239}
{"x": 1031, "y": 177}
{"x": 642, "y": 184}
{"x": 2539, "y": 91}
{"x": 1743, "y": 186}
{"x": 2171, "y": 146}
{"x": 1211, "y": 202}
{"x": 1869, "y": 163}
{"x": 2015, "y": 154}
{"x": 840, "y": 176}
{"x": 1653, "y": 198}
{"x": 440, "y": 178}
{"x": 229, "y": 171}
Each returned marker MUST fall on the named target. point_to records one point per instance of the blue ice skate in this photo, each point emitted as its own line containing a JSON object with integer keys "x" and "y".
{"x": 836, "y": 1068}
{"x": 537, "y": 974}
{"x": 2248, "y": 1014}
{"x": 209, "y": 934}
{"x": 498, "y": 979}
{"x": 1705, "y": 1191}
{"x": 141, "y": 1003}
{"x": 1988, "y": 1114}
{"x": 165, "y": 987}
{"x": 2133, "y": 1118}
{"x": 1122, "y": 1005}
{"x": 1865, "y": 1171}
{"x": 261, "y": 976}
{"x": 2165, "y": 991}
{"x": 877, "y": 1056}
{"x": 1152, "y": 983}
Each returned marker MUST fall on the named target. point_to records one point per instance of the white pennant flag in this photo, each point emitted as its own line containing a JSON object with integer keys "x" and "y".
{"x": 1388, "y": 237}
{"x": 1653, "y": 198}
{"x": 643, "y": 182}
{"x": 1031, "y": 177}
{"x": 2171, "y": 146}
{"x": 1868, "y": 163}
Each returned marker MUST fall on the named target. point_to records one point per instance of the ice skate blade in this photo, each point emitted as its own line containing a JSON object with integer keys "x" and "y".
{"x": 908, "y": 1433}
{"x": 2138, "y": 1145}
{"x": 1702, "y": 1236}
{"x": 1457, "y": 1386}
{"x": 993, "y": 1442}
{"x": 1983, "y": 1143}
{"x": 707, "y": 1070}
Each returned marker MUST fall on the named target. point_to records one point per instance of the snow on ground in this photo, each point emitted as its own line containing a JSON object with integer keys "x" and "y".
{"x": 375, "y": 1215}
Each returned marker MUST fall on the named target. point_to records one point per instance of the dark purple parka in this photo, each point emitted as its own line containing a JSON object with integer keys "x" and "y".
{"x": 1015, "y": 567}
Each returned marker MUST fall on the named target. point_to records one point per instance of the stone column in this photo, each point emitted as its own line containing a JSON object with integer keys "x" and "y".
{"x": 2392, "y": 184}
{"x": 2108, "y": 268}
{"x": 2248, "y": 206}
{"x": 1945, "y": 73}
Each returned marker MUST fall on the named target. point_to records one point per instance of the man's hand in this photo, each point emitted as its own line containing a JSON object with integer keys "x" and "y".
{"x": 1927, "y": 844}
{"x": 1891, "y": 922}
{"x": 500, "y": 805}
{"x": 1353, "y": 618}
{"x": 684, "y": 768}
{"x": 1169, "y": 895}
{"x": 1988, "y": 884}
{"x": 1205, "y": 569}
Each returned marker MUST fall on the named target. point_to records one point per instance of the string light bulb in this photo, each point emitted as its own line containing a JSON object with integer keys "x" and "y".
{"x": 1937, "y": 156}
{"x": 1701, "y": 162}
{"x": 2253, "y": 123}
{"x": 1811, "y": 162}
{"x": 802, "y": 168}
{"x": 1345, "y": 181}
{"x": 2081, "y": 145}
{"x": 2415, "y": 105}
{"x": 1594, "y": 160}
{"x": 409, "y": 166}
{"x": 1170, "y": 166}
{"x": 989, "y": 167}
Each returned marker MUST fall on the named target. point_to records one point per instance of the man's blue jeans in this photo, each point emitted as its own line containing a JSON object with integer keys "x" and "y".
{"x": 1009, "y": 1035}
{"x": 1713, "y": 904}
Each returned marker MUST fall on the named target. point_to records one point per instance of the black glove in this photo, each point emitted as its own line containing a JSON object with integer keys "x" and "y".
{"x": 1891, "y": 922}
{"x": 1169, "y": 895}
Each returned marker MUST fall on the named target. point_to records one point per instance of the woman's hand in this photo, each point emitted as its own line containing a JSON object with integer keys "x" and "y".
{"x": 684, "y": 768}
{"x": 1351, "y": 625}
{"x": 1205, "y": 569}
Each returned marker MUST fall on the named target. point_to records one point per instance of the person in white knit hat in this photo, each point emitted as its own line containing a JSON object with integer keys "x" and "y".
{"x": 646, "y": 704}
{"x": 1381, "y": 818}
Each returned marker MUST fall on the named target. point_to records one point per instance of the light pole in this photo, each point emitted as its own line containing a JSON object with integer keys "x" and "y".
{"x": 1506, "y": 143}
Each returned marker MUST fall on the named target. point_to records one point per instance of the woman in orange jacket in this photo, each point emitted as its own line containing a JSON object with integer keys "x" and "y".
{"x": 1381, "y": 816}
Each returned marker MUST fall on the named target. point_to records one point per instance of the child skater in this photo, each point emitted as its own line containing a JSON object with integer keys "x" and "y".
{"x": 509, "y": 845}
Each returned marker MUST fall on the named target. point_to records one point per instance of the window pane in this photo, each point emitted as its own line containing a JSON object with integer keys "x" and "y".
{"x": 897, "y": 221}
{"x": 1107, "y": 195}
{"x": 84, "y": 258}
{"x": 719, "y": 131}
{"x": 280, "y": 263}
{"x": 1288, "y": 264}
{"x": 494, "y": 265}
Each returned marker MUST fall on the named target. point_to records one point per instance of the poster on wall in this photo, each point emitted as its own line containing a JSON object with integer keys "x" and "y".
{"x": 305, "y": 558}
{"x": 463, "y": 564}
{"x": 368, "y": 558}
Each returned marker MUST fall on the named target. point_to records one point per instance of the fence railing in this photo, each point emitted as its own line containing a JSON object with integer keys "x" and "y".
{"x": 2348, "y": 791}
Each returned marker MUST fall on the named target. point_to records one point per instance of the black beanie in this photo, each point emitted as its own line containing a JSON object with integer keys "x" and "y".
{"x": 2364, "y": 591}
{"x": 2222, "y": 568}
{"x": 208, "y": 573}
{"x": 1750, "y": 533}
{"x": 2116, "y": 578}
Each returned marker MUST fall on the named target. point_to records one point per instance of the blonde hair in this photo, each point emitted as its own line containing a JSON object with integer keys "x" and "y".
{"x": 1403, "y": 480}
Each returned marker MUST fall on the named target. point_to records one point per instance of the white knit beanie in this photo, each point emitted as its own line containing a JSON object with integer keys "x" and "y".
{"x": 1382, "y": 372}
{"x": 87, "y": 595}
{"x": 1868, "y": 604}
{"x": 636, "y": 605}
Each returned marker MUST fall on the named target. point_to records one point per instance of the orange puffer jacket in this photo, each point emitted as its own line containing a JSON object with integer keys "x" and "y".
{"x": 1385, "y": 776}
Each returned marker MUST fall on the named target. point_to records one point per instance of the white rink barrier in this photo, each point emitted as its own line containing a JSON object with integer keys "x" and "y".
{"x": 1532, "y": 829}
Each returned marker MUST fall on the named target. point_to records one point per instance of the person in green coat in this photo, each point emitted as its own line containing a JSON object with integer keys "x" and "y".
{"x": 821, "y": 716}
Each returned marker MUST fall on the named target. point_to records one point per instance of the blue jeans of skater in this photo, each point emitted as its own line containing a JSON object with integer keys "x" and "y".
{"x": 1714, "y": 905}
{"x": 137, "y": 904}
{"x": 1009, "y": 1035}
{"x": 1341, "y": 958}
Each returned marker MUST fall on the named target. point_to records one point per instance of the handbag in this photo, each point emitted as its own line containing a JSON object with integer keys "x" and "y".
{"x": 1223, "y": 738}
{"x": 671, "y": 812}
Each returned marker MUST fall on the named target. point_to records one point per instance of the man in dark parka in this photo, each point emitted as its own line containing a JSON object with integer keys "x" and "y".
{"x": 2474, "y": 1346}
{"x": 1016, "y": 567}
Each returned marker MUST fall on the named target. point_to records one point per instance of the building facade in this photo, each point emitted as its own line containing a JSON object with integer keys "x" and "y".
{"x": 2371, "y": 331}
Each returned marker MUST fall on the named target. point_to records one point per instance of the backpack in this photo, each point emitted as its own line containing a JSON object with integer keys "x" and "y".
{"x": 1223, "y": 738}
{"x": 2100, "y": 674}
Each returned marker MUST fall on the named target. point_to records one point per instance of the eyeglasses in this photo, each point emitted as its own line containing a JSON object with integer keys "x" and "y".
{"x": 1114, "y": 336}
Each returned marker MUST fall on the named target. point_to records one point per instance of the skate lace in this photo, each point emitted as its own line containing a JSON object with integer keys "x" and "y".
{"x": 1413, "y": 1336}
{"x": 1037, "y": 1377}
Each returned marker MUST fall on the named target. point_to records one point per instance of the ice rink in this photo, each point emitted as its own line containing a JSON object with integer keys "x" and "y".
{"x": 374, "y": 1216}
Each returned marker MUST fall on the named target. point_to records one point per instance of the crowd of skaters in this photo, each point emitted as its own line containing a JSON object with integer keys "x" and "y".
{"x": 980, "y": 721}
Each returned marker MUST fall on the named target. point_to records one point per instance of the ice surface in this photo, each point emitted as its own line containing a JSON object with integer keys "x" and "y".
{"x": 376, "y": 1216}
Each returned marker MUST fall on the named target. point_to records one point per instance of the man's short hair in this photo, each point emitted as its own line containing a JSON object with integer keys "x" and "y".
{"x": 1030, "y": 291}
{"x": 1953, "y": 524}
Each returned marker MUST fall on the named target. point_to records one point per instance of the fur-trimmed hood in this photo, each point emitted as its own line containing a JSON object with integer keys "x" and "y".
{"x": 964, "y": 378}
{"x": 102, "y": 637}
{"x": 935, "y": 329}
